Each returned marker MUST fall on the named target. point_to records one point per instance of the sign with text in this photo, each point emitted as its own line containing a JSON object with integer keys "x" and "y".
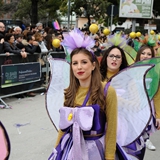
{"x": 17, "y": 74}
{"x": 136, "y": 8}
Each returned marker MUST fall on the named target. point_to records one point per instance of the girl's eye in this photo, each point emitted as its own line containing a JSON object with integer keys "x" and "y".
{"x": 74, "y": 63}
{"x": 84, "y": 62}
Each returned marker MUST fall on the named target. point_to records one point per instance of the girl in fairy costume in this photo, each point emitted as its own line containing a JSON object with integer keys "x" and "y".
{"x": 146, "y": 52}
{"x": 88, "y": 120}
{"x": 113, "y": 64}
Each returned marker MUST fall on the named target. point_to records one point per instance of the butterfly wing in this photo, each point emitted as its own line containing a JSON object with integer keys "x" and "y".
{"x": 133, "y": 105}
{"x": 55, "y": 92}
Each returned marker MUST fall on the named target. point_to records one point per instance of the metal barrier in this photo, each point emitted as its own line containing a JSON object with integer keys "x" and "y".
{"x": 31, "y": 58}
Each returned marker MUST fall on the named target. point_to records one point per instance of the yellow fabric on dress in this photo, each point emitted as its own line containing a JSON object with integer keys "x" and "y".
{"x": 109, "y": 74}
{"x": 111, "y": 117}
{"x": 156, "y": 100}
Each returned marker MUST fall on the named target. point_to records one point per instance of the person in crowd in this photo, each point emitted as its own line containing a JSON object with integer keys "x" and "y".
{"x": 11, "y": 30}
{"x": 9, "y": 46}
{"x": 33, "y": 46}
{"x": 17, "y": 30}
{"x": 40, "y": 39}
{"x": 2, "y": 45}
{"x": 48, "y": 42}
{"x": 2, "y": 28}
{"x": 60, "y": 37}
{"x": 96, "y": 48}
{"x": 39, "y": 26}
{"x": 33, "y": 28}
{"x": 19, "y": 40}
{"x": 86, "y": 91}
{"x": 146, "y": 52}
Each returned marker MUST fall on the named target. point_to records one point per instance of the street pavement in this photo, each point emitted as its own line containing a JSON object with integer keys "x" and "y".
{"x": 32, "y": 133}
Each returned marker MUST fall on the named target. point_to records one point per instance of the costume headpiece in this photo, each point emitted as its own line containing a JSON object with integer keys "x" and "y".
{"x": 76, "y": 39}
{"x": 118, "y": 40}
{"x": 150, "y": 40}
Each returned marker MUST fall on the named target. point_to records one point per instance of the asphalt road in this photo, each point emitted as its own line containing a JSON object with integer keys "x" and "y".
{"x": 36, "y": 135}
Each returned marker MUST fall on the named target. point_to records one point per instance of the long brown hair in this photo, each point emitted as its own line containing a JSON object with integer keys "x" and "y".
{"x": 96, "y": 89}
{"x": 142, "y": 48}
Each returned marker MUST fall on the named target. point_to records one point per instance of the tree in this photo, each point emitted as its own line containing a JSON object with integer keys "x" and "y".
{"x": 37, "y": 10}
{"x": 34, "y": 6}
{"x": 1, "y": 7}
{"x": 88, "y": 9}
{"x": 7, "y": 7}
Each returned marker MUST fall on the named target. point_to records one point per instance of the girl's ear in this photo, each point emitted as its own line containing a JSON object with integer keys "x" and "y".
{"x": 94, "y": 65}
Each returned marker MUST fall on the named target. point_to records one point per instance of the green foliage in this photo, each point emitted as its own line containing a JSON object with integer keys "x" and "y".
{"x": 46, "y": 9}
{"x": 23, "y": 10}
{"x": 5, "y": 7}
{"x": 1, "y": 8}
{"x": 90, "y": 8}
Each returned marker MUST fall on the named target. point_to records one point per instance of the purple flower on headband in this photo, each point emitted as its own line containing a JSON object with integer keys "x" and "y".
{"x": 76, "y": 39}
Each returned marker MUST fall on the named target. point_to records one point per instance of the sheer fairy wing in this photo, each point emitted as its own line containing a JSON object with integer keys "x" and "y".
{"x": 153, "y": 76}
{"x": 4, "y": 143}
{"x": 55, "y": 93}
{"x": 133, "y": 104}
{"x": 130, "y": 54}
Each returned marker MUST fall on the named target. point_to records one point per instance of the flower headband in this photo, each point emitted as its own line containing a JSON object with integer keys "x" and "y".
{"x": 118, "y": 40}
{"x": 76, "y": 39}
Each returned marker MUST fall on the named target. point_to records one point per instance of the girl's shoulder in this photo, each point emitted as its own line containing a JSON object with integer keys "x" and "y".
{"x": 110, "y": 89}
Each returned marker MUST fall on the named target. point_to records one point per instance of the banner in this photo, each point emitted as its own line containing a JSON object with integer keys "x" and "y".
{"x": 17, "y": 74}
{"x": 136, "y": 8}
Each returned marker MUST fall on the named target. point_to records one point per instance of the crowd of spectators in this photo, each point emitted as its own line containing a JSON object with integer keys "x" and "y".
{"x": 30, "y": 42}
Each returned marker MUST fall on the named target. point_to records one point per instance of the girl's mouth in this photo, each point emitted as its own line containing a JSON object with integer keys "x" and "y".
{"x": 80, "y": 73}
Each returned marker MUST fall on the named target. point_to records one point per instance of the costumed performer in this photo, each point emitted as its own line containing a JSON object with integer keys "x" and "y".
{"x": 147, "y": 52}
{"x": 88, "y": 120}
{"x": 114, "y": 61}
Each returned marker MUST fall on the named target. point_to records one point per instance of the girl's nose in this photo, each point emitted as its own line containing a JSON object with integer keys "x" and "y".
{"x": 79, "y": 66}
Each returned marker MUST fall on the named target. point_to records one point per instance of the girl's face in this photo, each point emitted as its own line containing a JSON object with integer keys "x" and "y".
{"x": 82, "y": 68}
{"x": 146, "y": 54}
{"x": 114, "y": 60}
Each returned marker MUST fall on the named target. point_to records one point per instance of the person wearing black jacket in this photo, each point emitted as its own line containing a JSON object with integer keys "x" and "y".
{"x": 1, "y": 43}
{"x": 2, "y": 28}
{"x": 9, "y": 46}
{"x": 33, "y": 46}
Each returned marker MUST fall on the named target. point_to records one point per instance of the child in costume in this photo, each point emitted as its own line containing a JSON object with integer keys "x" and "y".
{"x": 113, "y": 64}
{"x": 146, "y": 52}
{"x": 96, "y": 144}
{"x": 88, "y": 120}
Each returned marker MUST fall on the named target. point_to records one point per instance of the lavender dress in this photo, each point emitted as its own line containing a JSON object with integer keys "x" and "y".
{"x": 84, "y": 136}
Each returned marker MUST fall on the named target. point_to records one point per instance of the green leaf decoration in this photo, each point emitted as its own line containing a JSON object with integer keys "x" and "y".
{"x": 152, "y": 78}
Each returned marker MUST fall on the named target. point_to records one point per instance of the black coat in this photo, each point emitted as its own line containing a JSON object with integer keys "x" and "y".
{"x": 32, "y": 49}
{"x": 1, "y": 48}
{"x": 11, "y": 48}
